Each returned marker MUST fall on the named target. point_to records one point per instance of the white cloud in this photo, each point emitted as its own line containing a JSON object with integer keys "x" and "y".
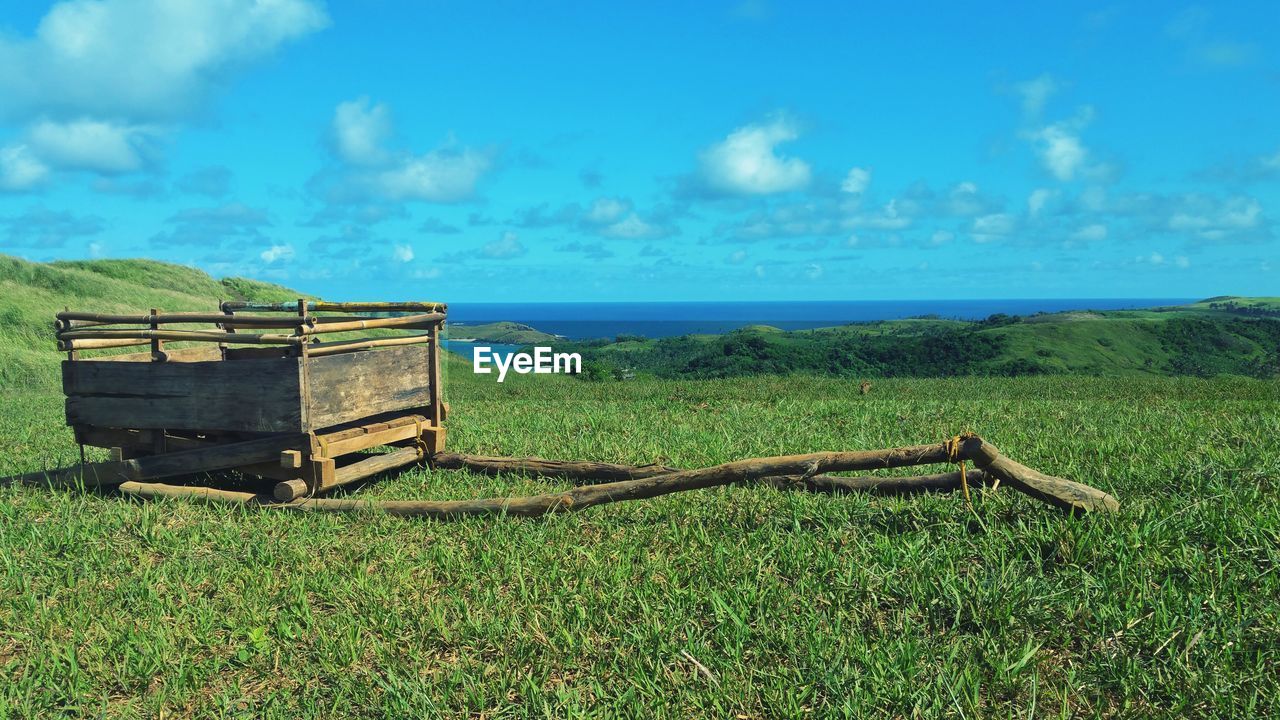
{"x": 361, "y": 130}
{"x": 402, "y": 253}
{"x": 20, "y": 169}
{"x": 86, "y": 144}
{"x": 993, "y": 227}
{"x": 1037, "y": 200}
{"x": 507, "y": 246}
{"x": 737, "y": 257}
{"x": 746, "y": 163}
{"x": 759, "y": 271}
{"x": 277, "y": 253}
{"x": 813, "y": 271}
{"x": 1035, "y": 93}
{"x": 1214, "y": 222}
{"x": 1182, "y": 262}
{"x": 856, "y": 181}
{"x": 141, "y": 59}
{"x": 1061, "y": 151}
{"x": 941, "y": 237}
{"x": 101, "y": 80}
{"x": 1090, "y": 233}
{"x": 369, "y": 170}
{"x": 443, "y": 175}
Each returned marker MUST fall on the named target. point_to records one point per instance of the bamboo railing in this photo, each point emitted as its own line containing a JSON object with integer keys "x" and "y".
{"x": 78, "y": 331}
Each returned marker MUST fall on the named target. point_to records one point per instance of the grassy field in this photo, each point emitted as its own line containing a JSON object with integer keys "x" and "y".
{"x": 733, "y": 602}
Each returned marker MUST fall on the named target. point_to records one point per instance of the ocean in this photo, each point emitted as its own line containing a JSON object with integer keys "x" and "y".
{"x": 581, "y": 321}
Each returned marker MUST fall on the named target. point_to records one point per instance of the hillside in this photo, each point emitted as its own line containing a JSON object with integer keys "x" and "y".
{"x": 1232, "y": 336}
{"x": 30, "y": 293}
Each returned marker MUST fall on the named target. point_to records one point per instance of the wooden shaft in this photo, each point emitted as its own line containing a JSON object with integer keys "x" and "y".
{"x": 405, "y": 321}
{"x": 322, "y": 306}
{"x": 569, "y": 469}
{"x": 1059, "y": 492}
{"x": 192, "y": 335}
{"x": 98, "y": 344}
{"x": 879, "y": 485}
{"x": 342, "y": 346}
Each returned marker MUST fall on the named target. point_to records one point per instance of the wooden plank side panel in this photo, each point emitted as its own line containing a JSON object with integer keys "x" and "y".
{"x": 357, "y": 385}
{"x": 249, "y": 395}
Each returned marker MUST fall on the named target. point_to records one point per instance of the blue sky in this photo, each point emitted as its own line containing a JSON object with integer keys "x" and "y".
{"x": 753, "y": 150}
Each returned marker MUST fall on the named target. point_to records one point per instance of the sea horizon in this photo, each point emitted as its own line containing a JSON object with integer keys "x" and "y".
{"x": 588, "y": 320}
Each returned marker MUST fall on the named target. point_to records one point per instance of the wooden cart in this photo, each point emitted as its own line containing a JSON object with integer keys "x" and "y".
{"x": 259, "y": 393}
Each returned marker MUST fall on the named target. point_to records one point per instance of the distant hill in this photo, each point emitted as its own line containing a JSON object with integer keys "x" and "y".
{"x": 30, "y": 293}
{"x": 1224, "y": 335}
{"x": 504, "y": 333}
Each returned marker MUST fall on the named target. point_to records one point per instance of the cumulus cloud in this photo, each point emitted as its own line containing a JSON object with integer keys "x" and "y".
{"x": 1060, "y": 150}
{"x": 99, "y": 82}
{"x": 402, "y": 253}
{"x": 1225, "y": 221}
{"x": 369, "y": 169}
{"x": 856, "y": 181}
{"x": 277, "y": 253}
{"x": 103, "y": 147}
{"x": 747, "y": 163}
{"x": 611, "y": 217}
{"x": 20, "y": 169}
{"x": 141, "y": 59}
{"x": 996, "y": 226}
{"x": 1037, "y": 201}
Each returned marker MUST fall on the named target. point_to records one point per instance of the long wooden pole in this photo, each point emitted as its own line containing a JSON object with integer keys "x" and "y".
{"x": 190, "y": 335}
{"x": 73, "y": 320}
{"x": 322, "y": 306}
{"x": 404, "y": 321}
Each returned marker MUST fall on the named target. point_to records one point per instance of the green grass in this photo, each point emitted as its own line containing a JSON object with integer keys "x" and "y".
{"x": 798, "y": 605}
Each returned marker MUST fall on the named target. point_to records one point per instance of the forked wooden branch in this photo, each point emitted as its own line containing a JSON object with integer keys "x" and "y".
{"x": 635, "y": 483}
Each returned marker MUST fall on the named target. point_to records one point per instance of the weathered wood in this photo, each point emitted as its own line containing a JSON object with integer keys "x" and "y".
{"x": 403, "y": 321}
{"x": 194, "y": 353}
{"x": 291, "y": 459}
{"x": 590, "y": 472}
{"x": 569, "y": 469}
{"x": 353, "y": 386}
{"x": 372, "y": 436}
{"x": 347, "y": 474}
{"x": 98, "y": 344}
{"x": 1059, "y": 492}
{"x": 249, "y": 395}
{"x": 344, "y": 346}
{"x": 206, "y": 459}
{"x": 879, "y": 485}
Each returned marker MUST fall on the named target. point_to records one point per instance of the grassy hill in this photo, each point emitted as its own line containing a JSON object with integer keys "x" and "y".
{"x": 1223, "y": 336}
{"x": 734, "y": 602}
{"x": 505, "y": 333}
{"x": 30, "y": 294}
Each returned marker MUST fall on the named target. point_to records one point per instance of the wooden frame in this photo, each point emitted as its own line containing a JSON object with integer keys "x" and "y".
{"x": 288, "y": 408}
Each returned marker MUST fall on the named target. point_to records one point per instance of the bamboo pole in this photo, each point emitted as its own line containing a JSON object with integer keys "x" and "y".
{"x": 70, "y": 320}
{"x": 404, "y": 321}
{"x": 322, "y": 306}
{"x": 341, "y": 346}
{"x": 191, "y": 335}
